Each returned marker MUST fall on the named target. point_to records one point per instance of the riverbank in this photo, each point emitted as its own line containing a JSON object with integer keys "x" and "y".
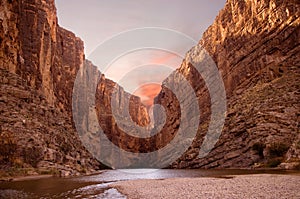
{"x": 238, "y": 186}
{"x": 35, "y": 174}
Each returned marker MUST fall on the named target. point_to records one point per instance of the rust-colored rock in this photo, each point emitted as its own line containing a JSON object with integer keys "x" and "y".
{"x": 255, "y": 45}
{"x": 42, "y": 53}
{"x": 35, "y": 135}
{"x": 46, "y": 59}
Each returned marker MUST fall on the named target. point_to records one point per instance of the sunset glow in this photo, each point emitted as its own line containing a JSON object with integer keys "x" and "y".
{"x": 147, "y": 93}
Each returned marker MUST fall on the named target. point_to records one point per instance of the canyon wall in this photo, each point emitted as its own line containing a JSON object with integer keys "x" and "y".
{"x": 39, "y": 62}
{"x": 255, "y": 45}
{"x": 100, "y": 108}
{"x": 35, "y": 137}
{"x": 36, "y": 48}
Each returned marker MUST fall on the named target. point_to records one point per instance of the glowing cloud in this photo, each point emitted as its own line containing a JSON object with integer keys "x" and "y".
{"x": 147, "y": 93}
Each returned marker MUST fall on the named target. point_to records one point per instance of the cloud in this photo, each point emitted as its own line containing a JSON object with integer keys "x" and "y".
{"x": 147, "y": 93}
{"x": 166, "y": 59}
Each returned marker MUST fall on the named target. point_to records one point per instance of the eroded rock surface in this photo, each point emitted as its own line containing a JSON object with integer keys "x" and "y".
{"x": 43, "y": 59}
{"x": 34, "y": 134}
{"x": 255, "y": 45}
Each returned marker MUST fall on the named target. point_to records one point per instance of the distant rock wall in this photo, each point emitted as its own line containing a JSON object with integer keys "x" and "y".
{"x": 255, "y": 45}
{"x": 101, "y": 107}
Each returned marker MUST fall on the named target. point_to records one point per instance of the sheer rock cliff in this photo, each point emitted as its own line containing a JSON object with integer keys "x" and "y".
{"x": 42, "y": 60}
{"x": 255, "y": 45}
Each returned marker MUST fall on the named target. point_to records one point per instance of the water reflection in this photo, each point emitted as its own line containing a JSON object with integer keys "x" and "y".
{"x": 135, "y": 174}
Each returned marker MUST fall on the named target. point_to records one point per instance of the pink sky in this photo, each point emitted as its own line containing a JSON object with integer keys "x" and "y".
{"x": 148, "y": 92}
{"x": 95, "y": 21}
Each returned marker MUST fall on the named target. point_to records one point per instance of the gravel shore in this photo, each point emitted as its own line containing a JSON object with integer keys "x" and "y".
{"x": 243, "y": 186}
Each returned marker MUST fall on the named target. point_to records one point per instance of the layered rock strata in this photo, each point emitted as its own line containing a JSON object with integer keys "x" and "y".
{"x": 255, "y": 45}
{"x": 44, "y": 59}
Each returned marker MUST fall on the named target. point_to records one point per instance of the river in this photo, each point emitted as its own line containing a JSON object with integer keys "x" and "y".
{"x": 97, "y": 186}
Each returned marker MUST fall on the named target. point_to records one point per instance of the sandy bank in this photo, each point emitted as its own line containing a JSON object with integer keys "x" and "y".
{"x": 244, "y": 186}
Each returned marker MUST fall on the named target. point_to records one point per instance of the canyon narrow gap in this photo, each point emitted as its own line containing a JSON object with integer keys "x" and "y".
{"x": 55, "y": 103}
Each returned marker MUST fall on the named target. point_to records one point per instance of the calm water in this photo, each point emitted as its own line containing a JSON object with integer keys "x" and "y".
{"x": 97, "y": 186}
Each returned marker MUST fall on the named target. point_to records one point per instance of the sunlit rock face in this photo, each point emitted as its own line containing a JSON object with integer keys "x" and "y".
{"x": 41, "y": 61}
{"x": 36, "y": 48}
{"x": 255, "y": 45}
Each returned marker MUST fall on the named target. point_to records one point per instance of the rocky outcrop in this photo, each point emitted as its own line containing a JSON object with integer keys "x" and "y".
{"x": 255, "y": 45}
{"x": 34, "y": 134}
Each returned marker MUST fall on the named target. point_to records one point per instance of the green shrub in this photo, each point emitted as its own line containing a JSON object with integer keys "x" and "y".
{"x": 278, "y": 149}
{"x": 259, "y": 148}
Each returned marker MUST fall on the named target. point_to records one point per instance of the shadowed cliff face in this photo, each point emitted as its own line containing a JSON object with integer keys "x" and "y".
{"x": 93, "y": 91}
{"x": 255, "y": 45}
{"x": 37, "y": 137}
{"x": 47, "y": 57}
